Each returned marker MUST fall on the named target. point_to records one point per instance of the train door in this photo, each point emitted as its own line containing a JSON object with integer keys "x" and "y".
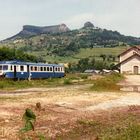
{"x": 15, "y": 72}
{"x": 53, "y": 71}
{"x": 28, "y": 72}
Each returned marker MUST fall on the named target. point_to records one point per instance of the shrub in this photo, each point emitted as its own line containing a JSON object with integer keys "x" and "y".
{"x": 107, "y": 83}
{"x": 67, "y": 82}
{"x": 84, "y": 76}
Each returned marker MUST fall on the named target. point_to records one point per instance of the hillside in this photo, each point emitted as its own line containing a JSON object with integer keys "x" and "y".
{"x": 29, "y": 31}
{"x": 60, "y": 42}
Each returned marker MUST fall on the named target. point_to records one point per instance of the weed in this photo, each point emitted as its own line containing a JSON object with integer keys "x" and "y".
{"x": 107, "y": 83}
{"x": 83, "y": 76}
{"x": 67, "y": 82}
{"x": 123, "y": 127}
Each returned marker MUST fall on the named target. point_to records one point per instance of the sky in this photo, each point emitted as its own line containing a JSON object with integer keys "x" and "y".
{"x": 117, "y": 15}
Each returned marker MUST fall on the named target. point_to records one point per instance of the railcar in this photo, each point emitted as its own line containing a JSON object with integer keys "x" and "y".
{"x": 27, "y": 70}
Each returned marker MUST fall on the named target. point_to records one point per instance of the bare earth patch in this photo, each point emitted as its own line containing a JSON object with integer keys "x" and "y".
{"x": 61, "y": 108}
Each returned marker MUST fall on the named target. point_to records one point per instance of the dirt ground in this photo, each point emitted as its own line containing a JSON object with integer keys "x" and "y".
{"x": 131, "y": 80}
{"x": 61, "y": 107}
{"x": 131, "y": 83}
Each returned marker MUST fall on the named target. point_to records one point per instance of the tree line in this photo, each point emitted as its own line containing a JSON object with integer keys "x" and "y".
{"x": 13, "y": 54}
{"x": 86, "y": 63}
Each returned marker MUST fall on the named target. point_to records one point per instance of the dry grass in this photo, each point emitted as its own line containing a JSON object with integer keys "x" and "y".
{"x": 65, "y": 114}
{"x": 108, "y": 83}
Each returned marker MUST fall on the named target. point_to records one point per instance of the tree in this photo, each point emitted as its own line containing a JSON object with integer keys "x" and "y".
{"x": 92, "y": 63}
{"x": 83, "y": 64}
{"x": 103, "y": 56}
{"x": 13, "y": 54}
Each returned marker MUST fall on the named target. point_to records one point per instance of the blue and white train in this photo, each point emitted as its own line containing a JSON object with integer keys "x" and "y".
{"x": 27, "y": 70}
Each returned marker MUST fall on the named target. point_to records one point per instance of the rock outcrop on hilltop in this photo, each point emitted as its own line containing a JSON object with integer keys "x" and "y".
{"x": 88, "y": 24}
{"x": 29, "y": 30}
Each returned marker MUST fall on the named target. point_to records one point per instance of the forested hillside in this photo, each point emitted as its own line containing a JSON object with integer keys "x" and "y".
{"x": 60, "y": 41}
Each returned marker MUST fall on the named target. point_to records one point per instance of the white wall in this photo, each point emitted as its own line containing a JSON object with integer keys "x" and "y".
{"x": 128, "y": 54}
{"x": 128, "y": 66}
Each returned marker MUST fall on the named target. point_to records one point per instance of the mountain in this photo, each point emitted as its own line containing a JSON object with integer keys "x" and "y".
{"x": 29, "y": 30}
{"x": 60, "y": 41}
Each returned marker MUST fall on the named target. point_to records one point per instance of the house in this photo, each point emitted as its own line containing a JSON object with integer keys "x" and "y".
{"x": 129, "y": 61}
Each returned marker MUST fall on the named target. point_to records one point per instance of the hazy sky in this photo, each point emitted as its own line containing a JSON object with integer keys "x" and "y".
{"x": 120, "y": 15}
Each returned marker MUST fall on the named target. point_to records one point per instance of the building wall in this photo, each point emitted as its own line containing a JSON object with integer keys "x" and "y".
{"x": 128, "y": 54}
{"x": 128, "y": 66}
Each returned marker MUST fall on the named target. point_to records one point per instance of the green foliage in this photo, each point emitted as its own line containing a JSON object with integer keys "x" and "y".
{"x": 86, "y": 63}
{"x": 69, "y": 43}
{"x": 103, "y": 57}
{"x": 108, "y": 83}
{"x": 13, "y": 54}
{"x": 119, "y": 126}
{"x": 83, "y": 64}
{"x": 129, "y": 132}
{"x": 83, "y": 76}
{"x": 67, "y": 81}
{"x": 41, "y": 137}
{"x": 88, "y": 123}
{"x": 29, "y": 118}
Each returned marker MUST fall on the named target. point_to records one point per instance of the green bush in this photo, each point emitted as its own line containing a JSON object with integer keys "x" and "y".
{"x": 107, "y": 83}
{"x": 67, "y": 82}
{"x": 84, "y": 76}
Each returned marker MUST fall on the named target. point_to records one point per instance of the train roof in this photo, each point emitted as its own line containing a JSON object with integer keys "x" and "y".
{"x": 28, "y": 63}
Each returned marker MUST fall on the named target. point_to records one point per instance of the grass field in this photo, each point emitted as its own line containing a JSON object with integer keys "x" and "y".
{"x": 100, "y": 83}
{"x": 10, "y": 84}
{"x": 83, "y": 53}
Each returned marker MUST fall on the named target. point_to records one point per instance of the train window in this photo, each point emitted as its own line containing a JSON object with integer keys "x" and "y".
{"x": 5, "y": 67}
{"x": 35, "y": 68}
{"x": 21, "y": 68}
{"x": 51, "y": 69}
{"x": 0, "y": 67}
{"x": 31, "y": 68}
{"x": 48, "y": 69}
{"x": 45, "y": 68}
{"x": 41, "y": 68}
{"x": 58, "y": 69}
